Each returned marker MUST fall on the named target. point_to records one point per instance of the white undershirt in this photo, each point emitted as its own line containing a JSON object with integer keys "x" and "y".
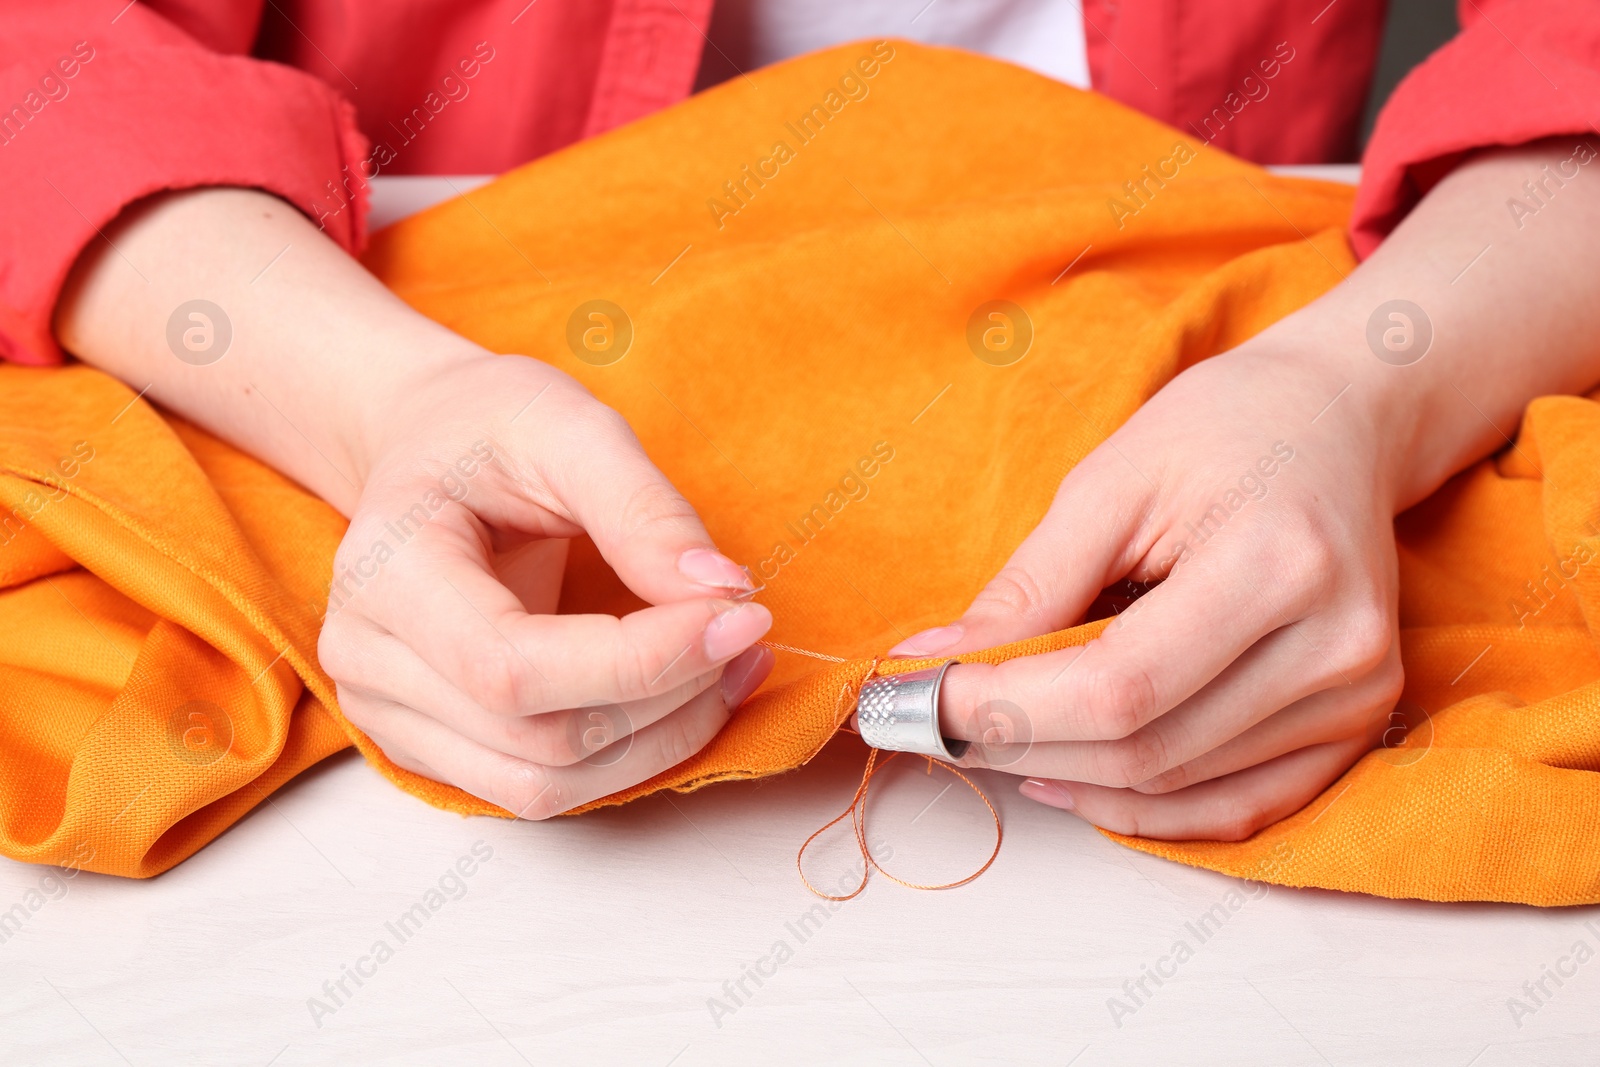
{"x": 1043, "y": 35}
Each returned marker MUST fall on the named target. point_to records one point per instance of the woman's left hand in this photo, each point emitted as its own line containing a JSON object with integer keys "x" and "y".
{"x": 1266, "y": 661}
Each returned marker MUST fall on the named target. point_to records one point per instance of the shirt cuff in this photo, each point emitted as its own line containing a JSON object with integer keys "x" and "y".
{"x": 1517, "y": 72}
{"x": 98, "y": 126}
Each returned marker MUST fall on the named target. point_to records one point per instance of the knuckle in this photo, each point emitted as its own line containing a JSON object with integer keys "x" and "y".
{"x": 1134, "y": 759}
{"x": 654, "y": 504}
{"x": 676, "y": 740}
{"x": 589, "y": 419}
{"x": 362, "y": 713}
{"x": 500, "y": 680}
{"x": 1123, "y": 818}
{"x": 1012, "y": 591}
{"x": 528, "y": 792}
{"x": 335, "y": 651}
{"x": 1169, "y": 781}
{"x": 1119, "y": 701}
{"x": 1368, "y": 635}
{"x": 548, "y": 740}
{"x": 640, "y": 669}
{"x": 1389, "y": 679}
{"x": 1238, "y": 819}
{"x": 1307, "y": 559}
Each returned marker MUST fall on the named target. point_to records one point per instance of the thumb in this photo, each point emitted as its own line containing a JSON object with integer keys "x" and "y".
{"x": 1047, "y": 584}
{"x": 644, "y": 528}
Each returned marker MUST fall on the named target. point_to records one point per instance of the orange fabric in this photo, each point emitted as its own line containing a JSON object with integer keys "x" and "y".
{"x": 161, "y": 600}
{"x": 802, "y": 351}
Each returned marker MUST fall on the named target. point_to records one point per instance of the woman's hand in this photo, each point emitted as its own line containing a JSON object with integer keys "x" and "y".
{"x": 463, "y": 473}
{"x": 1258, "y": 670}
{"x": 441, "y": 630}
{"x": 1261, "y": 486}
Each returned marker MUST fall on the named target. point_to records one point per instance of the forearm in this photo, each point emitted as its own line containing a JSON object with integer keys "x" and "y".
{"x": 1510, "y": 302}
{"x": 319, "y": 348}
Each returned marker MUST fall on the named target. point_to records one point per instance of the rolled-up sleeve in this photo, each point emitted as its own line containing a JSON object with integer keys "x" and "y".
{"x": 101, "y": 104}
{"x": 1519, "y": 71}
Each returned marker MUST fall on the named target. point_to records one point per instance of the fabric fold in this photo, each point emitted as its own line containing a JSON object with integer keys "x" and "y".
{"x": 165, "y": 683}
{"x": 811, "y": 363}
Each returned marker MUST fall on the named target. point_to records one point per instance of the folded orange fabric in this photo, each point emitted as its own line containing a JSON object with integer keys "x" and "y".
{"x": 795, "y": 271}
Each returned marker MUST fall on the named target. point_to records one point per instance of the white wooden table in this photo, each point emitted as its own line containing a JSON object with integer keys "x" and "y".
{"x": 676, "y": 931}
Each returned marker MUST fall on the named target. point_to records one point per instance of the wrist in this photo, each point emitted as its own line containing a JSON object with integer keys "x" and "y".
{"x": 1386, "y": 416}
{"x": 400, "y": 379}
{"x": 454, "y": 394}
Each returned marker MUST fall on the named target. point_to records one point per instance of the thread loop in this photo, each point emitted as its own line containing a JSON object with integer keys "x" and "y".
{"x": 857, "y": 813}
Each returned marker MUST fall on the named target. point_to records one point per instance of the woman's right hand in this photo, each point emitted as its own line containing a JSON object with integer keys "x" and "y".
{"x": 441, "y": 630}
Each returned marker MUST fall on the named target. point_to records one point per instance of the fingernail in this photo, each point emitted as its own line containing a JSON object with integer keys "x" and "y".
{"x": 744, "y": 674}
{"x": 735, "y": 630}
{"x": 928, "y": 642}
{"x": 710, "y": 567}
{"x": 1047, "y": 792}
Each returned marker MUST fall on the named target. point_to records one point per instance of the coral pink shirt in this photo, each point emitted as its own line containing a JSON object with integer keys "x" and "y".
{"x": 105, "y": 101}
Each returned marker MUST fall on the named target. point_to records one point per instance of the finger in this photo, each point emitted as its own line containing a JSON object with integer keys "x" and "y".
{"x": 1224, "y": 809}
{"x": 441, "y": 601}
{"x": 1281, "y": 671}
{"x": 533, "y": 572}
{"x": 1158, "y": 653}
{"x": 390, "y": 671}
{"x": 532, "y": 791}
{"x": 1293, "y": 680}
{"x": 558, "y": 738}
{"x": 1330, "y": 716}
{"x": 644, "y": 528}
{"x": 1053, "y": 576}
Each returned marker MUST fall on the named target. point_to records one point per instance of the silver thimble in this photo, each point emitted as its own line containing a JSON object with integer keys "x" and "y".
{"x": 900, "y": 713}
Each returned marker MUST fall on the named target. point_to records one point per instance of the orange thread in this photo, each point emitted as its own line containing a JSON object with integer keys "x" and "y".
{"x": 857, "y": 812}
{"x": 802, "y": 652}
